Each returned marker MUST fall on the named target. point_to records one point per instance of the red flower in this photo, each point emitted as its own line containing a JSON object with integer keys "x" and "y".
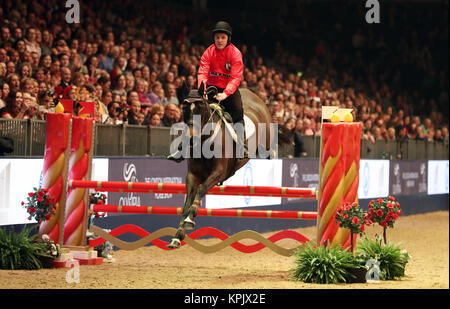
{"x": 40, "y": 193}
{"x": 390, "y": 214}
{"x": 345, "y": 216}
{"x": 380, "y": 201}
{"x": 355, "y": 220}
{"x": 384, "y": 223}
{"x": 362, "y": 228}
{"x": 398, "y": 204}
{"x": 391, "y": 198}
{"x": 103, "y": 196}
{"x": 40, "y": 199}
{"x": 22, "y": 203}
{"x": 399, "y": 212}
{"x": 390, "y": 206}
{"x": 31, "y": 210}
{"x": 31, "y": 194}
{"x": 379, "y": 212}
{"x": 48, "y": 216}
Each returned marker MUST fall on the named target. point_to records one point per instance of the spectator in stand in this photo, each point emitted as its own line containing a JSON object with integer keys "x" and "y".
{"x": 134, "y": 111}
{"x": 13, "y": 81}
{"x": 104, "y": 58}
{"x": 171, "y": 94}
{"x": 445, "y": 134}
{"x": 420, "y": 136}
{"x": 155, "y": 120}
{"x": 114, "y": 110}
{"x": 308, "y": 129}
{"x": 438, "y": 136}
{"x": 170, "y": 115}
{"x": 63, "y": 89}
{"x": 155, "y": 88}
{"x": 391, "y": 134}
{"x": 158, "y": 109}
{"x": 46, "y": 103}
{"x": 119, "y": 85}
{"x": 130, "y": 82}
{"x": 4, "y": 91}
{"x": 15, "y": 107}
{"x": 141, "y": 89}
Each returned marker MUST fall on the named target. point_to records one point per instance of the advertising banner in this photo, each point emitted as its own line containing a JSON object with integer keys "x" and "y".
{"x": 408, "y": 178}
{"x": 146, "y": 170}
{"x": 301, "y": 173}
{"x": 438, "y": 177}
{"x": 373, "y": 179}
{"x": 257, "y": 172}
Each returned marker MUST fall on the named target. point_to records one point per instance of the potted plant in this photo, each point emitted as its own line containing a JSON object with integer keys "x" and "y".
{"x": 323, "y": 264}
{"x": 384, "y": 212}
{"x": 39, "y": 205}
{"x": 18, "y": 251}
{"x": 389, "y": 259}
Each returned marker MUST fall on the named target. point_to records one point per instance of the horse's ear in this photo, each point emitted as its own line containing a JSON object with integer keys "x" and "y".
{"x": 201, "y": 89}
{"x": 183, "y": 92}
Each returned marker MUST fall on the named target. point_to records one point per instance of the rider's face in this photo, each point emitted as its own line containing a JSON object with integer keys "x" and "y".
{"x": 220, "y": 40}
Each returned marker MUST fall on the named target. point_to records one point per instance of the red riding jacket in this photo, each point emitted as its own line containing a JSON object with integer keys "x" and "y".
{"x": 221, "y": 68}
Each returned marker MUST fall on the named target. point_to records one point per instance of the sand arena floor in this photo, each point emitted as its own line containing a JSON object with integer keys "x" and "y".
{"x": 424, "y": 236}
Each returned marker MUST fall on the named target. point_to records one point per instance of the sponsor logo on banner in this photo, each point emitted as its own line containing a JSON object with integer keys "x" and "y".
{"x": 150, "y": 171}
{"x": 130, "y": 175}
{"x": 300, "y": 173}
{"x": 408, "y": 178}
{"x": 374, "y": 179}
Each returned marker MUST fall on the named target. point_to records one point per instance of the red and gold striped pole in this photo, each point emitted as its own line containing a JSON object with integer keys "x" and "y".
{"x": 55, "y": 171}
{"x": 180, "y": 188}
{"x": 79, "y": 169}
{"x": 158, "y": 210}
{"x": 339, "y": 178}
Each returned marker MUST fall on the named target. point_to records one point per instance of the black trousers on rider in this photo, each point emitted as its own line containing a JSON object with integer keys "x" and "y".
{"x": 233, "y": 105}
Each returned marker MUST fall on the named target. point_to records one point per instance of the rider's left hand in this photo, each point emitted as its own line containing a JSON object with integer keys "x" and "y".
{"x": 220, "y": 96}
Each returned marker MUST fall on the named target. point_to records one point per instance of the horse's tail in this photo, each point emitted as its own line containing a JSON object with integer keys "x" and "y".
{"x": 286, "y": 142}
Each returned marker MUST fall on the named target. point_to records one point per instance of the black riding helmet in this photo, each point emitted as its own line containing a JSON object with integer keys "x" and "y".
{"x": 223, "y": 27}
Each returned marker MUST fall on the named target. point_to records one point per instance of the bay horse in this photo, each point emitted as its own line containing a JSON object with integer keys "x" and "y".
{"x": 205, "y": 173}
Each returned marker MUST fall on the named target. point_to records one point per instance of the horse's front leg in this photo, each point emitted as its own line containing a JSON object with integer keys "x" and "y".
{"x": 191, "y": 191}
{"x": 216, "y": 177}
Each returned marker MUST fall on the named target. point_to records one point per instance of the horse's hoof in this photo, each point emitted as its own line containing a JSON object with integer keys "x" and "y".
{"x": 175, "y": 243}
{"x": 188, "y": 224}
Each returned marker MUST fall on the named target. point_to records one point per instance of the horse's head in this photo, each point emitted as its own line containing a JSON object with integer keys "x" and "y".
{"x": 195, "y": 102}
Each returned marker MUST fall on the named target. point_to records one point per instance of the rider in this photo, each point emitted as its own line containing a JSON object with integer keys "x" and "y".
{"x": 221, "y": 65}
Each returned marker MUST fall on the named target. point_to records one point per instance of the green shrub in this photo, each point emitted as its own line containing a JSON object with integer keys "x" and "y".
{"x": 17, "y": 250}
{"x": 390, "y": 258}
{"x": 323, "y": 264}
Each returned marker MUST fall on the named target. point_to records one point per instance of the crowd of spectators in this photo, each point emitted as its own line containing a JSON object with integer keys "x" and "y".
{"x": 130, "y": 58}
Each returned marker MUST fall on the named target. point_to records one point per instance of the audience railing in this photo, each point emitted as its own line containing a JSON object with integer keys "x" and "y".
{"x": 134, "y": 140}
